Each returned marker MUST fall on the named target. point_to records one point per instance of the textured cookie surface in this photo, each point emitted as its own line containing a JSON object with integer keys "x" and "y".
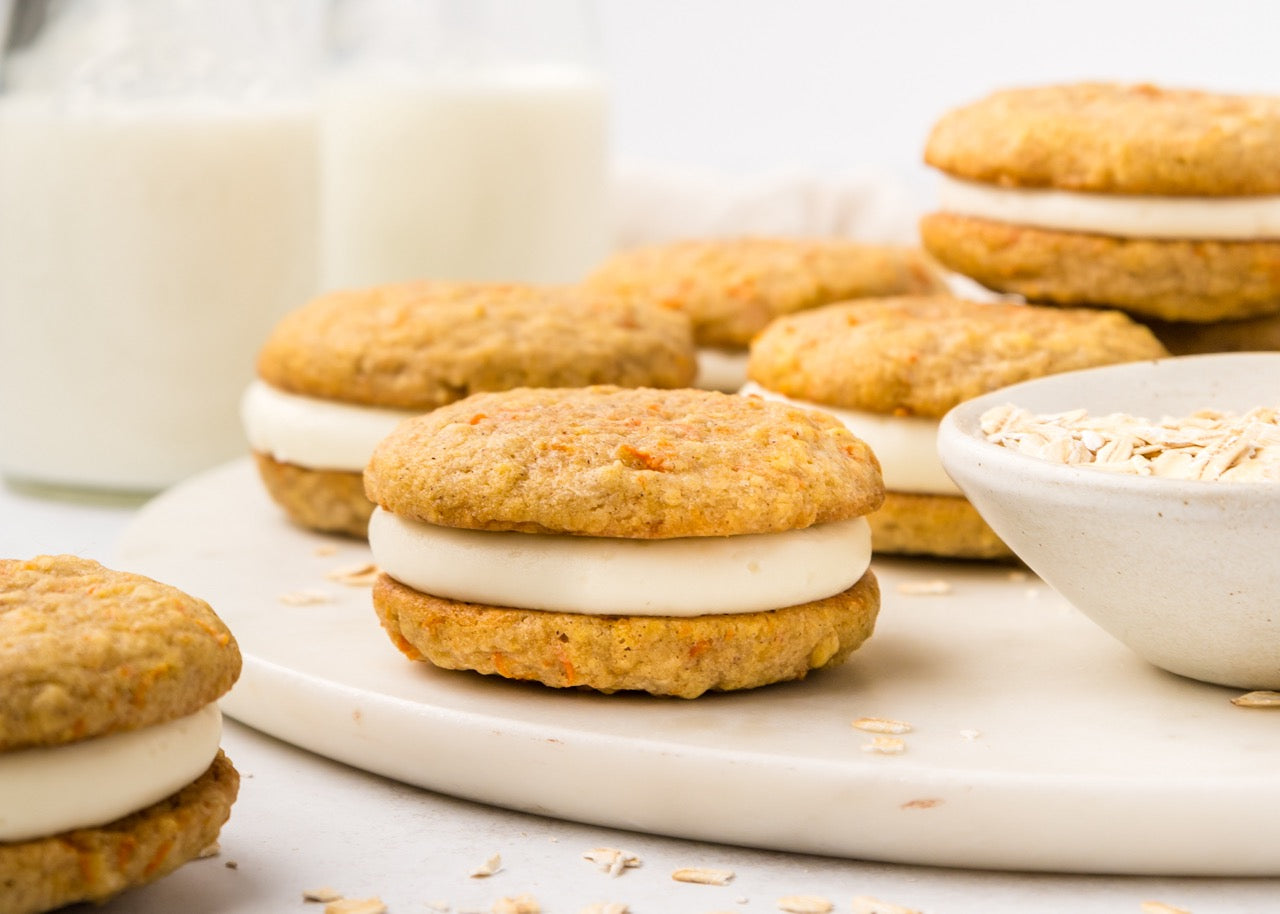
{"x": 328, "y": 500}
{"x": 938, "y": 525}
{"x": 923, "y": 355}
{"x": 417, "y": 346}
{"x": 683, "y": 657}
{"x": 732, "y": 288}
{"x": 93, "y": 864}
{"x": 86, "y": 651}
{"x": 1113, "y": 138}
{"x": 1171, "y": 280}
{"x": 640, "y": 463}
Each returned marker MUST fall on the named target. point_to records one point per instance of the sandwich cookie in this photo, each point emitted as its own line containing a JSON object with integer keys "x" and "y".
{"x": 1163, "y": 203}
{"x": 111, "y": 774}
{"x": 338, "y": 374}
{"x": 732, "y": 288}
{"x": 671, "y": 542}
{"x": 889, "y": 369}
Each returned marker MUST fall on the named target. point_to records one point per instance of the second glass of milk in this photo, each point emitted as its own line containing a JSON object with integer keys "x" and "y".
{"x": 463, "y": 140}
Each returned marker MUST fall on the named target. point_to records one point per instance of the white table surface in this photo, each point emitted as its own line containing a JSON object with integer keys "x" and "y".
{"x": 303, "y": 822}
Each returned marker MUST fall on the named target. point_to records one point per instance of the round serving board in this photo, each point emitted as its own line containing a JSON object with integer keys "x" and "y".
{"x": 1037, "y": 742}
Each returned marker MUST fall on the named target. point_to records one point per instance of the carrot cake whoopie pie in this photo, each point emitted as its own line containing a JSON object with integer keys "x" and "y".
{"x": 672, "y": 542}
{"x": 338, "y": 374}
{"x": 891, "y": 368}
{"x": 1164, "y": 203}
{"x": 111, "y": 774}
{"x": 731, "y": 288}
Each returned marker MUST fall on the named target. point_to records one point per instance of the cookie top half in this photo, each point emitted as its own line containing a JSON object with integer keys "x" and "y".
{"x": 633, "y": 463}
{"x": 920, "y": 356}
{"x": 731, "y": 288}
{"x": 86, "y": 651}
{"x": 1114, "y": 138}
{"x": 417, "y": 346}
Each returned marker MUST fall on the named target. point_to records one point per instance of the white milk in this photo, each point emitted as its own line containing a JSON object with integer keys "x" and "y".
{"x": 495, "y": 175}
{"x": 145, "y": 252}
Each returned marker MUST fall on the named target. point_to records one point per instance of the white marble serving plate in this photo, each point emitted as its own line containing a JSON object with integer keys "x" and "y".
{"x": 1038, "y": 742}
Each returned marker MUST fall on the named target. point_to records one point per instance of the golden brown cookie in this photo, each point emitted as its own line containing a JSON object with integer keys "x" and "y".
{"x": 1059, "y": 193}
{"x": 891, "y": 367}
{"x": 86, "y": 651}
{"x": 732, "y": 288}
{"x": 934, "y": 525}
{"x": 920, "y": 356}
{"x": 637, "y": 463}
{"x": 1113, "y": 138}
{"x": 1191, "y": 281}
{"x": 95, "y": 864}
{"x": 417, "y": 346}
{"x": 624, "y": 464}
{"x": 398, "y": 350}
{"x": 683, "y": 657}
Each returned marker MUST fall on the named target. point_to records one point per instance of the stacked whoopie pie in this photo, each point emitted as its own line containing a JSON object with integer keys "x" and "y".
{"x": 111, "y": 774}
{"x": 891, "y": 368}
{"x": 1164, "y": 203}
{"x": 671, "y": 542}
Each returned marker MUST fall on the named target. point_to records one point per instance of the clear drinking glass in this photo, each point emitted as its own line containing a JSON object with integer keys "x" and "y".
{"x": 463, "y": 139}
{"x": 158, "y": 214}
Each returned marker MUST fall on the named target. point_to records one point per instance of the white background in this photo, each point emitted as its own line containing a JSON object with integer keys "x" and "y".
{"x": 755, "y": 86}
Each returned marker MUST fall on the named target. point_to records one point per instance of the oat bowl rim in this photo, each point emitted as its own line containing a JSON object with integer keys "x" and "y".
{"x": 1183, "y": 572}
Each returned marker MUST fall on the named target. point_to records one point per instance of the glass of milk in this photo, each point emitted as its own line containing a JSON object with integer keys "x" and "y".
{"x": 463, "y": 140}
{"x": 158, "y": 214}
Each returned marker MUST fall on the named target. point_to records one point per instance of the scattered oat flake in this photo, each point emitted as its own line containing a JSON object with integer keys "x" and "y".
{"x": 1257, "y": 700}
{"x": 805, "y": 904}
{"x": 361, "y": 575}
{"x": 703, "y": 875}
{"x": 488, "y": 868}
{"x": 606, "y": 907}
{"x": 881, "y": 725}
{"x": 356, "y": 906}
{"x": 324, "y": 893}
{"x": 438, "y": 907}
{"x": 1159, "y": 907}
{"x": 305, "y": 597}
{"x": 231, "y": 865}
{"x": 924, "y": 588}
{"x": 970, "y": 735}
{"x": 521, "y": 904}
{"x": 612, "y": 860}
{"x": 865, "y": 904}
{"x": 886, "y": 745}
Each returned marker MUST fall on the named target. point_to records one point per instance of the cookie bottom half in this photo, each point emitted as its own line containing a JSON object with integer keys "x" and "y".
{"x": 1173, "y": 280}
{"x": 331, "y": 501}
{"x": 93, "y": 864}
{"x": 947, "y": 526}
{"x": 662, "y": 655}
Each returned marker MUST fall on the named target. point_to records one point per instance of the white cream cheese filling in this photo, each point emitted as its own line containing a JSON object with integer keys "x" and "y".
{"x": 314, "y": 433}
{"x": 48, "y": 790}
{"x": 724, "y": 370}
{"x": 1123, "y": 215}
{"x": 690, "y": 576}
{"x": 906, "y": 446}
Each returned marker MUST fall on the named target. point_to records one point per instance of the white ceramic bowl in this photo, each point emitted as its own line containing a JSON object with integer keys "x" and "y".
{"x": 1186, "y": 573}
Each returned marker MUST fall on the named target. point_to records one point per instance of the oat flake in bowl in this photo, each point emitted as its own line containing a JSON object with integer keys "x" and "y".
{"x": 1208, "y": 444}
{"x": 1182, "y": 570}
